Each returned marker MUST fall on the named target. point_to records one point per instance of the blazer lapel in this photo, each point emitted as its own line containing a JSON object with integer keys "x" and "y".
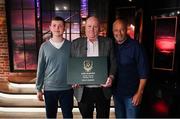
{"x": 84, "y": 47}
{"x": 100, "y": 42}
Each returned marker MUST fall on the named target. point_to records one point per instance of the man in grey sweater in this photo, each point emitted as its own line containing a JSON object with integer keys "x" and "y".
{"x": 51, "y": 72}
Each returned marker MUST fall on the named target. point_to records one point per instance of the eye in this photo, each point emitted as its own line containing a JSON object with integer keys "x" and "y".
{"x": 122, "y": 30}
{"x": 60, "y": 26}
{"x": 115, "y": 30}
{"x": 95, "y": 27}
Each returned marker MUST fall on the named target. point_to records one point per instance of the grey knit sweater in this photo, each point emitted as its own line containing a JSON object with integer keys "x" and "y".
{"x": 52, "y": 67}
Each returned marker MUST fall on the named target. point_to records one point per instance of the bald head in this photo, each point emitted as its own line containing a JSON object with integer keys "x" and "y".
{"x": 120, "y": 31}
{"x": 92, "y": 28}
{"x": 120, "y": 22}
{"x": 92, "y": 19}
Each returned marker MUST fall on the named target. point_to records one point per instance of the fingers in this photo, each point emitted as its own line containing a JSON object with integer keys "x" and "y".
{"x": 136, "y": 100}
{"x": 108, "y": 83}
{"x": 75, "y": 86}
{"x": 40, "y": 96}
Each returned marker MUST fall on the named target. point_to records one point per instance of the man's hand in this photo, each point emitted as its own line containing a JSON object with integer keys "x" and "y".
{"x": 108, "y": 82}
{"x": 75, "y": 86}
{"x": 40, "y": 96}
{"x": 137, "y": 98}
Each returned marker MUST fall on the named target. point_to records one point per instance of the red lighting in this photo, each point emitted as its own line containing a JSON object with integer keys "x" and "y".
{"x": 130, "y": 31}
{"x": 165, "y": 44}
{"x": 161, "y": 107}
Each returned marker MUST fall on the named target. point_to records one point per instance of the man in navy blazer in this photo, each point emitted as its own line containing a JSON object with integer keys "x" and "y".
{"x": 93, "y": 45}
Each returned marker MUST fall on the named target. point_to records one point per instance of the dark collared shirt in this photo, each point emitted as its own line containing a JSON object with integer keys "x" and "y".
{"x": 132, "y": 66}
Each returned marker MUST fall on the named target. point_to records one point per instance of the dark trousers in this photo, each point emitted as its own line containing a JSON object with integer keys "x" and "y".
{"x": 65, "y": 99}
{"x": 94, "y": 97}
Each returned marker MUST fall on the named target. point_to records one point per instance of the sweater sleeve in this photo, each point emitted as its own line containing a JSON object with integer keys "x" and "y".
{"x": 40, "y": 69}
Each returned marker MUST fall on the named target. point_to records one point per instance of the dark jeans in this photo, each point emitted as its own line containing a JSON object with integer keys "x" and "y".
{"x": 65, "y": 99}
{"x": 124, "y": 107}
{"x": 94, "y": 97}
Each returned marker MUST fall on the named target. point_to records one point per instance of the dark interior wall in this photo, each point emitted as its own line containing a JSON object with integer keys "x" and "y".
{"x": 157, "y": 4}
{"x": 163, "y": 86}
{"x": 113, "y": 5}
{"x": 99, "y": 8}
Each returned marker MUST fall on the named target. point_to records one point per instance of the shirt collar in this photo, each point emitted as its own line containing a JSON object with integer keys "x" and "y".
{"x": 92, "y": 42}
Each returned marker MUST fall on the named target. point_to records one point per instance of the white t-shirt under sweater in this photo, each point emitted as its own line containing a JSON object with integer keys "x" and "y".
{"x": 57, "y": 45}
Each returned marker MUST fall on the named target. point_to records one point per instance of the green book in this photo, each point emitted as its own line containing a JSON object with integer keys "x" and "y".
{"x": 87, "y": 70}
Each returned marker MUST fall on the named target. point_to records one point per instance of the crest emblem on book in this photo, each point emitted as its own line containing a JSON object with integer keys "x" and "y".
{"x": 88, "y": 65}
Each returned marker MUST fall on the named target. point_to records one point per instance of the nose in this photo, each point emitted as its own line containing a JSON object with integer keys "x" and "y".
{"x": 120, "y": 32}
{"x": 57, "y": 28}
{"x": 93, "y": 28}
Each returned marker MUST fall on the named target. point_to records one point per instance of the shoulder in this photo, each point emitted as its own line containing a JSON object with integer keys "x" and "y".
{"x": 133, "y": 42}
{"x": 78, "y": 40}
{"x": 67, "y": 42}
{"x": 104, "y": 38}
{"x": 45, "y": 44}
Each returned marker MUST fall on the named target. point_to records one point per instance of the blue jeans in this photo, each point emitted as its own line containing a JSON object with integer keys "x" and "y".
{"x": 124, "y": 107}
{"x": 65, "y": 99}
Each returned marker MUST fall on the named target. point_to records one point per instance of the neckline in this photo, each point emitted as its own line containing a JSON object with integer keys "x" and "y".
{"x": 55, "y": 47}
